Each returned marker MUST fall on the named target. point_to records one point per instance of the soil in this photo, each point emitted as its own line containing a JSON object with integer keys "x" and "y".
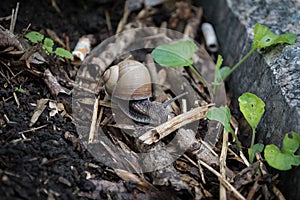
{"x": 47, "y": 160}
{"x": 45, "y": 164}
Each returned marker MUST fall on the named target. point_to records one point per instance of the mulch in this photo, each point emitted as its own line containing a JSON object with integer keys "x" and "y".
{"x": 48, "y": 160}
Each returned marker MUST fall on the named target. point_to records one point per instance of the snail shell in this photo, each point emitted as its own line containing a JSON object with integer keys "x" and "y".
{"x": 129, "y": 84}
{"x": 128, "y": 80}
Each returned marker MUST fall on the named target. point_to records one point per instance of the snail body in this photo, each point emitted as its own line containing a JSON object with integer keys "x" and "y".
{"x": 129, "y": 83}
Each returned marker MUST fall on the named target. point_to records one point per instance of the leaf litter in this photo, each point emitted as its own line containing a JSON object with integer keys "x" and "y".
{"x": 42, "y": 155}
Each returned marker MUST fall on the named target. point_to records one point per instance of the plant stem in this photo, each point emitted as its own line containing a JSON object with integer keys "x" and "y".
{"x": 236, "y": 140}
{"x": 239, "y": 63}
{"x": 217, "y": 79}
{"x": 197, "y": 74}
{"x": 253, "y": 137}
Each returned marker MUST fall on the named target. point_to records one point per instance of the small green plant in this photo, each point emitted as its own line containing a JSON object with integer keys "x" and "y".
{"x": 36, "y": 37}
{"x": 217, "y": 76}
{"x": 177, "y": 54}
{"x": 263, "y": 37}
{"x": 19, "y": 89}
{"x": 180, "y": 54}
{"x": 222, "y": 115}
{"x": 284, "y": 159}
{"x": 252, "y": 151}
{"x": 252, "y": 108}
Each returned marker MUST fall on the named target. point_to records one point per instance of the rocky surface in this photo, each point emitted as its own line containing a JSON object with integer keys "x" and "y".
{"x": 272, "y": 74}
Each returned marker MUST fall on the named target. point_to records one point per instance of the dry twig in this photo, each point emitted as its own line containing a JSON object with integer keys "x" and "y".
{"x": 54, "y": 5}
{"x": 108, "y": 22}
{"x": 223, "y": 157}
{"x": 193, "y": 24}
{"x": 14, "y": 16}
{"x": 223, "y": 181}
{"x": 94, "y": 121}
{"x": 33, "y": 129}
{"x": 161, "y": 131}
{"x": 123, "y": 21}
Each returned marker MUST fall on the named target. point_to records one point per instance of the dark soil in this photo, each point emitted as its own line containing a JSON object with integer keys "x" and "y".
{"x": 47, "y": 160}
{"x": 45, "y": 164}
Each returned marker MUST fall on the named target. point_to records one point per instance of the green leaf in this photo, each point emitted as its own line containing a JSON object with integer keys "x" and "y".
{"x": 278, "y": 160}
{"x": 224, "y": 72}
{"x": 285, "y": 159}
{"x": 252, "y": 108}
{"x": 63, "y": 53}
{"x": 264, "y": 37}
{"x": 34, "y": 36}
{"x": 291, "y": 143}
{"x": 48, "y": 45}
{"x": 175, "y": 55}
{"x": 252, "y": 151}
{"x": 290, "y": 37}
{"x": 19, "y": 89}
{"x": 221, "y": 115}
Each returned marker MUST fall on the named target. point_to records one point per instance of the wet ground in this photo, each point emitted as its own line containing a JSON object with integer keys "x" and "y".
{"x": 44, "y": 164}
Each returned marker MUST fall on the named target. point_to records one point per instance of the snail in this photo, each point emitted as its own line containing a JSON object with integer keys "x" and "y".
{"x": 129, "y": 85}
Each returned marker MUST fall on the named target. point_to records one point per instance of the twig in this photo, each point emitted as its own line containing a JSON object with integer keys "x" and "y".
{"x": 39, "y": 109}
{"x": 55, "y": 37}
{"x": 161, "y": 131}
{"x": 184, "y": 105}
{"x": 7, "y": 80}
{"x": 99, "y": 116}
{"x": 253, "y": 190}
{"x": 14, "y": 16}
{"x": 20, "y": 140}
{"x": 197, "y": 165}
{"x": 209, "y": 148}
{"x": 8, "y": 120}
{"x": 235, "y": 155}
{"x": 33, "y": 129}
{"x": 223, "y": 157}
{"x": 158, "y": 91}
{"x": 278, "y": 193}
{"x": 5, "y": 18}
{"x": 190, "y": 30}
{"x": 197, "y": 149}
{"x": 8, "y": 68}
{"x": 201, "y": 173}
{"x": 124, "y": 18}
{"x": 223, "y": 181}
{"x": 12, "y": 20}
{"x": 241, "y": 153}
{"x": 94, "y": 121}
{"x": 53, "y": 85}
{"x": 67, "y": 39}
{"x": 108, "y": 22}
{"x": 54, "y": 5}
{"x": 16, "y": 99}
{"x": 244, "y": 159}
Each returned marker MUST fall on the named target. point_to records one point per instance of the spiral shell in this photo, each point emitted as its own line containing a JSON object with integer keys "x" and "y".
{"x": 128, "y": 80}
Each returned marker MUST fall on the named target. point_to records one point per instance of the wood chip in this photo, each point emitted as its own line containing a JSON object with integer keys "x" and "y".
{"x": 41, "y": 105}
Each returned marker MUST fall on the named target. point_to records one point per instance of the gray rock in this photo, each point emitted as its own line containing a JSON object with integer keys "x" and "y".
{"x": 272, "y": 74}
